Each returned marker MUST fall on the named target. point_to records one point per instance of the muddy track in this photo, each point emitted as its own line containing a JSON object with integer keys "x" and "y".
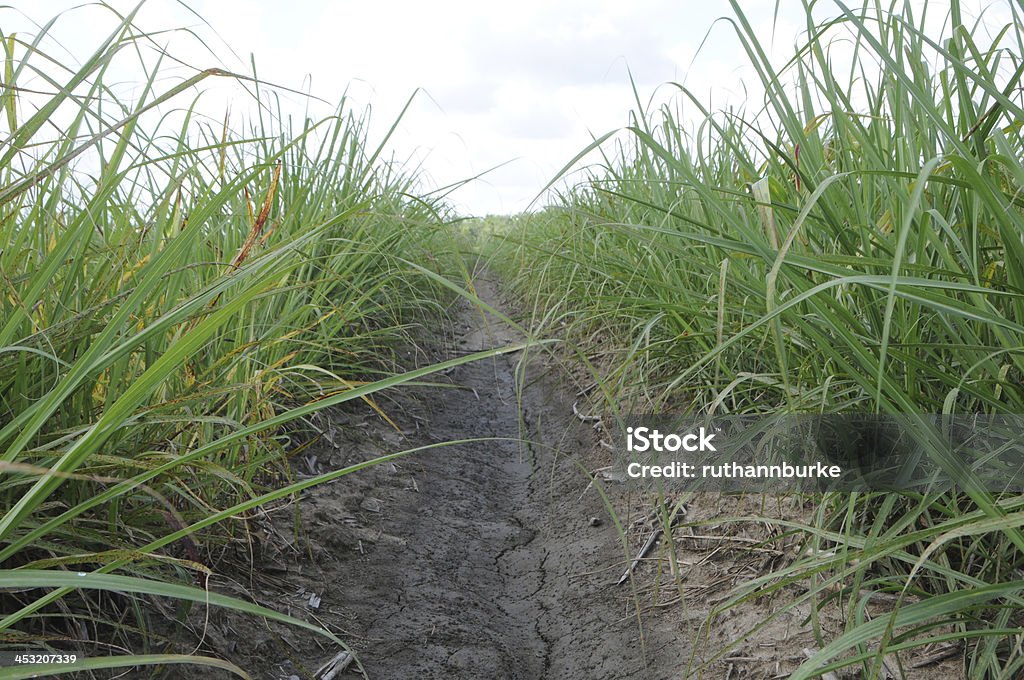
{"x": 475, "y": 560}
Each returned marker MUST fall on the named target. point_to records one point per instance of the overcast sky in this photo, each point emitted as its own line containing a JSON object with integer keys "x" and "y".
{"x": 522, "y": 84}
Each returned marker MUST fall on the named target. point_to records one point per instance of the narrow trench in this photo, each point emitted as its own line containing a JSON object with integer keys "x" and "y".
{"x": 485, "y": 488}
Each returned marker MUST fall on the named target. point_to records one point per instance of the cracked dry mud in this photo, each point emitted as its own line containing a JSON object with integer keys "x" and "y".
{"x": 475, "y": 560}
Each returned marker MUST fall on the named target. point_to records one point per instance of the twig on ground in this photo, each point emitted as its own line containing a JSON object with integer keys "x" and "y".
{"x": 651, "y": 540}
{"x": 677, "y": 512}
{"x": 335, "y": 666}
{"x": 583, "y": 417}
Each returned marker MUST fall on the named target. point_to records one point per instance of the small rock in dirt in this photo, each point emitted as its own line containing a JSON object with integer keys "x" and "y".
{"x": 595, "y": 521}
{"x": 371, "y": 505}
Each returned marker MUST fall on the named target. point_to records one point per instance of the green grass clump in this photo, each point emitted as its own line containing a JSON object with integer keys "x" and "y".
{"x": 173, "y": 295}
{"x": 854, "y": 245}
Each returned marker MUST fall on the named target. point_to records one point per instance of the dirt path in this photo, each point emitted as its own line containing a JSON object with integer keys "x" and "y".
{"x": 485, "y": 570}
{"x": 477, "y": 560}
